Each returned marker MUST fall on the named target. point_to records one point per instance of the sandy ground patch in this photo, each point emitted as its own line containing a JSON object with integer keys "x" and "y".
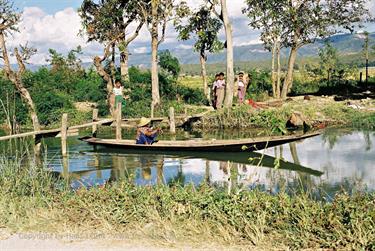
{"x": 68, "y": 242}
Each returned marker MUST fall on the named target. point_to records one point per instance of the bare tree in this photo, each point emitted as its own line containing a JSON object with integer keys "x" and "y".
{"x": 9, "y": 19}
{"x": 111, "y": 22}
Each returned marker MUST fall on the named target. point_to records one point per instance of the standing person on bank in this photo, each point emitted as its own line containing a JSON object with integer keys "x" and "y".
{"x": 118, "y": 91}
{"x": 220, "y": 90}
{"x": 214, "y": 96}
{"x": 241, "y": 88}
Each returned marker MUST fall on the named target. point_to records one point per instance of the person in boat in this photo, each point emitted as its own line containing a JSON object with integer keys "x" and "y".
{"x": 220, "y": 90}
{"x": 241, "y": 88}
{"x": 214, "y": 88}
{"x": 146, "y": 135}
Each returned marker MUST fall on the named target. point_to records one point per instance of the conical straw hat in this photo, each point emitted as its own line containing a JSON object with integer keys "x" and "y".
{"x": 144, "y": 121}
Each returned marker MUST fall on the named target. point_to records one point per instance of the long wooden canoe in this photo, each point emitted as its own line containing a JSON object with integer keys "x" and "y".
{"x": 251, "y": 144}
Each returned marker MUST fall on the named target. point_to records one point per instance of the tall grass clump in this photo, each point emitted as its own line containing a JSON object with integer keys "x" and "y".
{"x": 274, "y": 119}
{"x": 247, "y": 117}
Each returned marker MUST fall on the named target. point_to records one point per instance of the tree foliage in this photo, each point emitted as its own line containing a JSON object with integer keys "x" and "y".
{"x": 169, "y": 63}
{"x": 9, "y": 17}
{"x": 301, "y": 22}
{"x": 202, "y": 26}
{"x": 328, "y": 58}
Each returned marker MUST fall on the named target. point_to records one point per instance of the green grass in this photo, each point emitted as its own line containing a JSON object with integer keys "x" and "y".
{"x": 194, "y": 82}
{"x": 317, "y": 110}
{"x": 32, "y": 200}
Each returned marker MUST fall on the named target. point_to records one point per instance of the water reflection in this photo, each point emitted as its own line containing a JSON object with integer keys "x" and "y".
{"x": 339, "y": 159}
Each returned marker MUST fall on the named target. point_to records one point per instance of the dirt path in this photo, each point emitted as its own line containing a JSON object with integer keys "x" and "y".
{"x": 67, "y": 242}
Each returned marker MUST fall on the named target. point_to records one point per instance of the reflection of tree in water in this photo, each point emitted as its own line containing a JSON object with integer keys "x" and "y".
{"x": 331, "y": 137}
{"x": 180, "y": 178}
{"x": 120, "y": 170}
{"x": 367, "y": 136}
{"x": 305, "y": 181}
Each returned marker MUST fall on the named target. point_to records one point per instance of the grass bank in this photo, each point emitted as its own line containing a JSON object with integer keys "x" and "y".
{"x": 316, "y": 110}
{"x": 33, "y": 200}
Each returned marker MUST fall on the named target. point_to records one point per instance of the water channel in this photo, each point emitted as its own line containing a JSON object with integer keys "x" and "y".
{"x": 339, "y": 159}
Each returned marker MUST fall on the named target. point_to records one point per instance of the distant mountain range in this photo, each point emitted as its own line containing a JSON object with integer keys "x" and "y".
{"x": 345, "y": 43}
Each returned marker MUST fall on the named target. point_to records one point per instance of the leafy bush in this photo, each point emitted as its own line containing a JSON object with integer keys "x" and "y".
{"x": 51, "y": 105}
{"x": 260, "y": 83}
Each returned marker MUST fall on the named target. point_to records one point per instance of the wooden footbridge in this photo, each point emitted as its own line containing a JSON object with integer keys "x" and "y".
{"x": 66, "y": 131}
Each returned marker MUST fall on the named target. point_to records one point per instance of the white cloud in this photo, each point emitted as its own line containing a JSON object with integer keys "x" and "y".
{"x": 184, "y": 46}
{"x": 43, "y": 31}
{"x": 60, "y": 31}
{"x": 140, "y": 50}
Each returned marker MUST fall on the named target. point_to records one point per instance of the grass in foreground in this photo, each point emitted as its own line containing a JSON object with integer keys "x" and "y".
{"x": 32, "y": 200}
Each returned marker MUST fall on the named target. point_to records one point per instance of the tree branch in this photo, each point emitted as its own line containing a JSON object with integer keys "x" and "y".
{"x": 21, "y": 65}
{"x": 135, "y": 34}
{"x": 7, "y": 67}
{"x": 163, "y": 32}
{"x": 213, "y": 10}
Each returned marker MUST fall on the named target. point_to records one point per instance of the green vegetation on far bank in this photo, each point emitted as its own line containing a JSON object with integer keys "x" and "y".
{"x": 33, "y": 200}
{"x": 56, "y": 90}
{"x": 317, "y": 111}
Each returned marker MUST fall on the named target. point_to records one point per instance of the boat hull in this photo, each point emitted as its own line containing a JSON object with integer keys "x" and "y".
{"x": 251, "y": 144}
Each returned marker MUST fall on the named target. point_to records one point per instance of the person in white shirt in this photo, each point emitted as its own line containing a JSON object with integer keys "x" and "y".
{"x": 219, "y": 86}
{"x": 241, "y": 87}
{"x": 118, "y": 91}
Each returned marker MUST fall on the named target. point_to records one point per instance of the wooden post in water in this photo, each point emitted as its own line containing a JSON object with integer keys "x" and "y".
{"x": 172, "y": 123}
{"x": 118, "y": 122}
{"x": 64, "y": 134}
{"x": 37, "y": 145}
{"x": 94, "y": 119}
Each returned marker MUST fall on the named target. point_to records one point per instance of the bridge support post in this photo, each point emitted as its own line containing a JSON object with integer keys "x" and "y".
{"x": 118, "y": 122}
{"x": 64, "y": 134}
{"x": 172, "y": 123}
{"x": 95, "y": 113}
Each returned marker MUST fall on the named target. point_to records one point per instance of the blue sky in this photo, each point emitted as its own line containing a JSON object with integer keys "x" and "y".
{"x": 49, "y": 6}
{"x": 55, "y": 24}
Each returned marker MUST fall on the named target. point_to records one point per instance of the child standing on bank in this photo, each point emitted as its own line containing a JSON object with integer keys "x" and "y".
{"x": 220, "y": 90}
{"x": 241, "y": 87}
{"x": 118, "y": 91}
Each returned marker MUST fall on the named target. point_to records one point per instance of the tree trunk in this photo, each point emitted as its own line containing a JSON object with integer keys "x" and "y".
{"x": 289, "y": 77}
{"x": 230, "y": 65}
{"x": 154, "y": 54}
{"x": 154, "y": 72}
{"x": 124, "y": 64}
{"x": 273, "y": 76}
{"x": 278, "y": 84}
{"x": 204, "y": 76}
{"x": 366, "y": 70}
{"x": 112, "y": 64}
{"x": 16, "y": 79}
{"x": 108, "y": 79}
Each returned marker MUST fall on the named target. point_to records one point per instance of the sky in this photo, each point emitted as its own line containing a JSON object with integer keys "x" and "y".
{"x": 55, "y": 24}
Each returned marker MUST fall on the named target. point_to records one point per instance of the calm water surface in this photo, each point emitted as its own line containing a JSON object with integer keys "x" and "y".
{"x": 339, "y": 159}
